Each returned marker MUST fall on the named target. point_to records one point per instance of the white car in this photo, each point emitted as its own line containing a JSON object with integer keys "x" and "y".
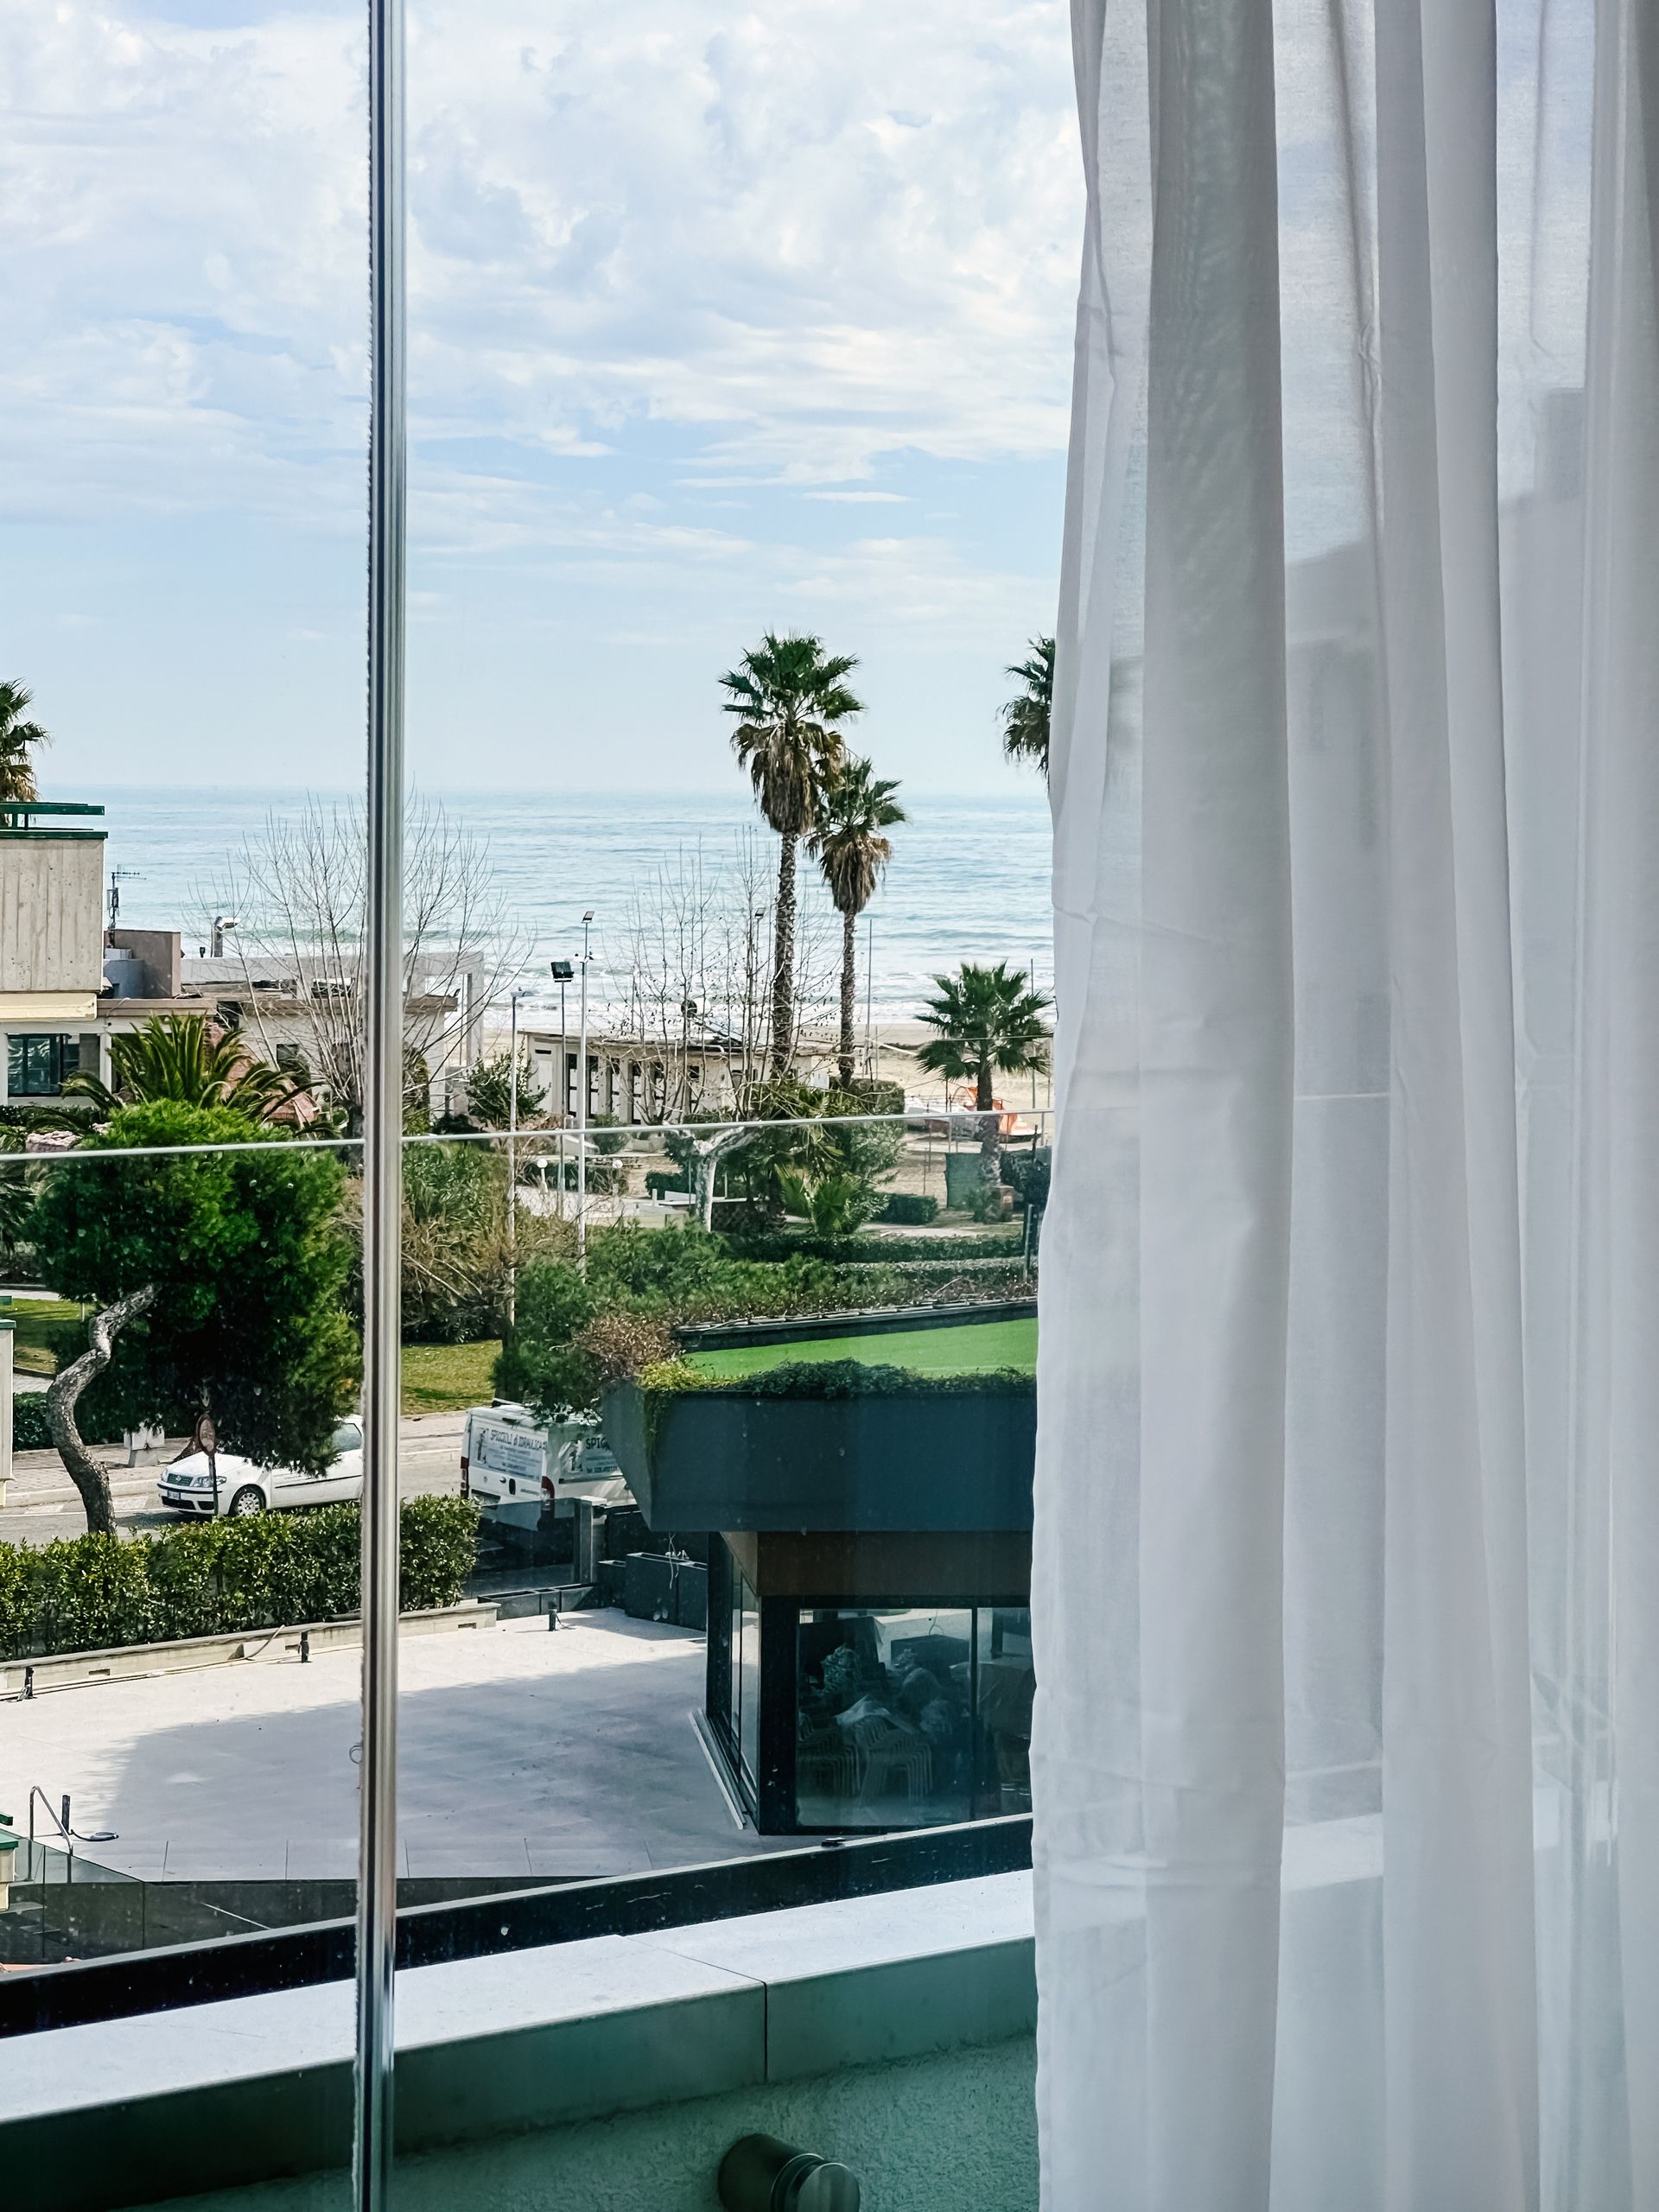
{"x": 193, "y": 1485}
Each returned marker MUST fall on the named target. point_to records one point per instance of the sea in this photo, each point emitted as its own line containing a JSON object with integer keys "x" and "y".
{"x": 968, "y": 879}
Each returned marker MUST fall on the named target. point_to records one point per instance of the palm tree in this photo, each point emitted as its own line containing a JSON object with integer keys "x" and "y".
{"x": 176, "y": 1056}
{"x": 1025, "y": 719}
{"x": 789, "y": 697}
{"x": 987, "y": 1018}
{"x": 18, "y": 735}
{"x": 857, "y": 806}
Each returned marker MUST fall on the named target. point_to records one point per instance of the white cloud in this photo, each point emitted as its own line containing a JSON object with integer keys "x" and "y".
{"x": 795, "y": 242}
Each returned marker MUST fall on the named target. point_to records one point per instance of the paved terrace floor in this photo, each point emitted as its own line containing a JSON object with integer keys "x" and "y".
{"x": 523, "y": 1751}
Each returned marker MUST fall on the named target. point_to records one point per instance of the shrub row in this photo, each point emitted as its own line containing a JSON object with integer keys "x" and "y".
{"x": 30, "y": 1433}
{"x": 875, "y": 1251}
{"x": 913, "y": 1208}
{"x": 218, "y": 1577}
{"x": 840, "y": 1378}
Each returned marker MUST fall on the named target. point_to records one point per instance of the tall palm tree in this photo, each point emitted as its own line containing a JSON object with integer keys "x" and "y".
{"x": 987, "y": 1018}
{"x": 857, "y": 806}
{"x": 791, "y": 697}
{"x": 1026, "y": 718}
{"x": 177, "y": 1056}
{"x": 17, "y": 736}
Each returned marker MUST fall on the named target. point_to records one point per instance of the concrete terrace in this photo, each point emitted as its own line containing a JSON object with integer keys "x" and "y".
{"x": 523, "y": 1751}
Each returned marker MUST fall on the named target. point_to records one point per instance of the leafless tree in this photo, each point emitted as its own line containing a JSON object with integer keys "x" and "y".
{"x": 297, "y": 889}
{"x": 696, "y": 948}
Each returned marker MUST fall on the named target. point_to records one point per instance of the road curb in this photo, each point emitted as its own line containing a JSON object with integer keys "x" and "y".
{"x": 128, "y": 1661}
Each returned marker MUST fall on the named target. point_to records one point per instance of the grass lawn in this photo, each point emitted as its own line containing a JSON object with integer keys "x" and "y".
{"x": 39, "y": 1321}
{"x": 448, "y": 1378}
{"x": 967, "y": 1347}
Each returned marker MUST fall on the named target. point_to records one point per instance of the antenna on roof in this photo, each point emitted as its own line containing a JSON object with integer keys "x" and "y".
{"x": 118, "y": 877}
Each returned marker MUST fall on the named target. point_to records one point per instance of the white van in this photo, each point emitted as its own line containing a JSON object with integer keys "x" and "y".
{"x": 516, "y": 1468}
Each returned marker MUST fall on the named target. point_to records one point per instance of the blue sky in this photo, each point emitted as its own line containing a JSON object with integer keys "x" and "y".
{"x": 719, "y": 321}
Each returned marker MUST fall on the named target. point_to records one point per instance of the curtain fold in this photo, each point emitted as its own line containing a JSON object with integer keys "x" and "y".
{"x": 1346, "y": 1581}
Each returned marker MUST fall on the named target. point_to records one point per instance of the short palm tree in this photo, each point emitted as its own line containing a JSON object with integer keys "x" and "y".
{"x": 857, "y": 806}
{"x": 16, "y": 1195}
{"x": 791, "y": 697}
{"x": 1026, "y": 718}
{"x": 986, "y": 1019}
{"x": 18, "y": 737}
{"x": 177, "y": 1056}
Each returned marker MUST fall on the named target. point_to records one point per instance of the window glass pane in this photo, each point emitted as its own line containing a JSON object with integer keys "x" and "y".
{"x": 1006, "y": 1685}
{"x": 35, "y": 1064}
{"x": 884, "y": 1734}
{"x": 749, "y": 1739}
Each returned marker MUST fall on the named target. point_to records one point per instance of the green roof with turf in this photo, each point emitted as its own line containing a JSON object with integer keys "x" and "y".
{"x": 966, "y": 1348}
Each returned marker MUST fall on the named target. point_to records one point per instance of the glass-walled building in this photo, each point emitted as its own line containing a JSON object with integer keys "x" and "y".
{"x": 869, "y": 1630}
{"x": 833, "y": 1716}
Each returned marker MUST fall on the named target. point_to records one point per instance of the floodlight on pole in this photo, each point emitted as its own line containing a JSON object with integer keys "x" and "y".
{"x": 564, "y": 971}
{"x": 513, "y": 1158}
{"x": 581, "y": 1102}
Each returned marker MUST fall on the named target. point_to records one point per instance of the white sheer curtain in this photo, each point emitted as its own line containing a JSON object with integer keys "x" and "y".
{"x": 1346, "y": 1590}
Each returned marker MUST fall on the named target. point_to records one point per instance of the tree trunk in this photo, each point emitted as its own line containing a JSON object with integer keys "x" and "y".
{"x": 89, "y": 1476}
{"x": 783, "y": 964}
{"x": 848, "y": 990}
{"x": 990, "y": 1141}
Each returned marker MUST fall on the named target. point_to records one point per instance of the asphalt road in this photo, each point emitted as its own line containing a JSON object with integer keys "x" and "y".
{"x": 42, "y": 1504}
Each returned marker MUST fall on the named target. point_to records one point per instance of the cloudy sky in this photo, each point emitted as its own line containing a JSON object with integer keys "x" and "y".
{"x": 719, "y": 320}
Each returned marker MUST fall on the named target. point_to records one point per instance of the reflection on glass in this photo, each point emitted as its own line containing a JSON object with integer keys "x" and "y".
{"x": 884, "y": 1730}
{"x": 748, "y": 1681}
{"x": 1006, "y": 1685}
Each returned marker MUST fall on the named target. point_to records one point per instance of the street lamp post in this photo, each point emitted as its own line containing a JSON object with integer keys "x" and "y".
{"x": 512, "y": 1159}
{"x": 562, "y": 972}
{"x": 581, "y": 1104}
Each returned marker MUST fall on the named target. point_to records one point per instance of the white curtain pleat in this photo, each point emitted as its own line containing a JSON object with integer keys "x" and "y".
{"x": 1346, "y": 1579}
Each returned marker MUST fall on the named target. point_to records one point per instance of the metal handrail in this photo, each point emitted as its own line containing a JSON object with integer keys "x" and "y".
{"x": 60, "y": 1821}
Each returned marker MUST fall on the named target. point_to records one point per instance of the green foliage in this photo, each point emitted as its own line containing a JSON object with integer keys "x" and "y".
{"x": 29, "y": 1430}
{"x": 551, "y": 1361}
{"x": 984, "y": 1019}
{"x": 489, "y": 1091}
{"x": 808, "y": 1139}
{"x": 857, "y": 805}
{"x": 789, "y": 696}
{"x": 19, "y": 736}
{"x": 835, "y": 1205}
{"x": 178, "y": 1057}
{"x": 605, "y": 1132}
{"x": 988, "y": 1201}
{"x": 885, "y": 1252}
{"x": 217, "y": 1578}
{"x": 909, "y": 1208}
{"x": 1026, "y": 1174}
{"x": 1025, "y": 717}
{"x": 97, "y": 1421}
{"x": 437, "y": 1545}
{"x": 22, "y": 1114}
{"x": 839, "y": 1378}
{"x": 18, "y": 1182}
{"x": 246, "y": 1248}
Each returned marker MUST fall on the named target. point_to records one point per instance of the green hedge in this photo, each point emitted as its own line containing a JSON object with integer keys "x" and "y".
{"x": 218, "y": 1577}
{"x": 30, "y": 1433}
{"x": 876, "y": 1251}
{"x": 912, "y": 1208}
{"x": 838, "y": 1378}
